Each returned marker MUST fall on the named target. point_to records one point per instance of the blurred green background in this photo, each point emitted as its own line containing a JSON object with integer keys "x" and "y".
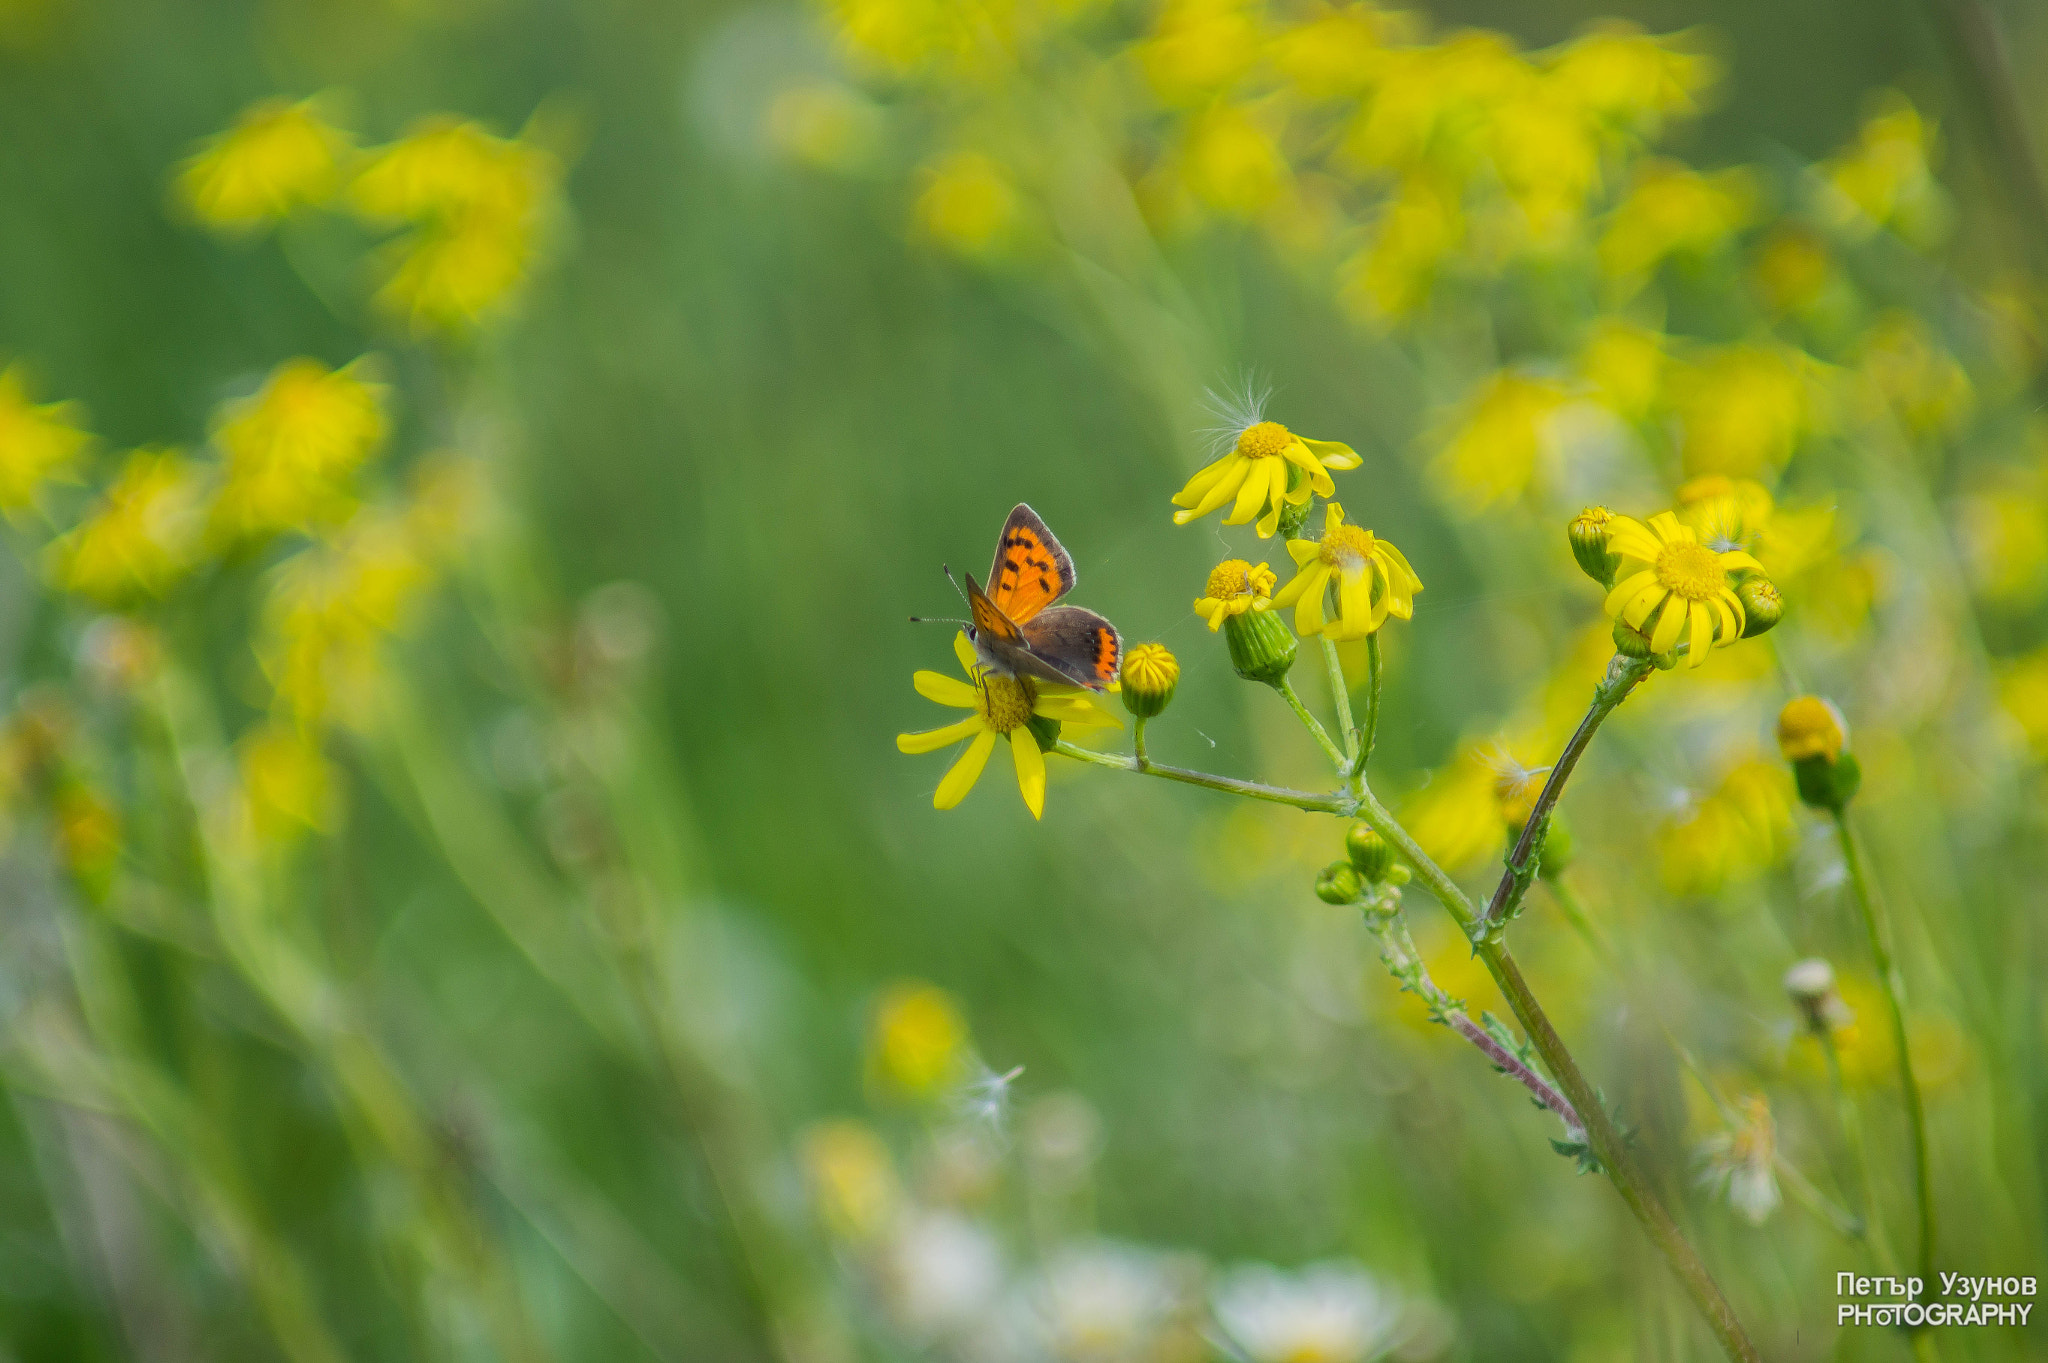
{"x": 755, "y": 388}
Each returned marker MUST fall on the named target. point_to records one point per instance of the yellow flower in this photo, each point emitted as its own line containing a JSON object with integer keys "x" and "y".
{"x": 1494, "y": 451}
{"x": 1420, "y": 225}
{"x": 1149, "y": 675}
{"x": 1810, "y": 726}
{"x": 1742, "y": 409}
{"x": 1627, "y": 77}
{"x": 1199, "y": 47}
{"x": 918, "y": 1043}
{"x": 1726, "y": 513}
{"x": 1884, "y": 179}
{"x": 1372, "y": 578}
{"x": 2004, "y": 537}
{"x": 852, "y": 1179}
{"x": 286, "y": 782}
{"x": 1232, "y": 162}
{"x": 1338, "y": 52}
{"x": 38, "y": 444}
{"x": 1625, "y": 365}
{"x": 277, "y": 157}
{"x": 1235, "y": 587}
{"x": 2023, "y": 692}
{"x": 140, "y": 537}
{"x": 1740, "y": 827}
{"x": 1003, "y": 707}
{"x": 1912, "y": 375}
{"x": 1672, "y": 210}
{"x": 1668, "y": 576}
{"x": 290, "y": 449}
{"x": 969, "y": 203}
{"x": 1264, "y": 458}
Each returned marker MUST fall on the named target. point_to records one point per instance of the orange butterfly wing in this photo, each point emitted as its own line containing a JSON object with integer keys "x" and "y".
{"x": 990, "y": 622}
{"x": 1031, "y": 570}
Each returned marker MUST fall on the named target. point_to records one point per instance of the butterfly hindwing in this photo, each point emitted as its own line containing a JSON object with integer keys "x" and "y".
{"x": 1031, "y": 570}
{"x": 1075, "y": 642}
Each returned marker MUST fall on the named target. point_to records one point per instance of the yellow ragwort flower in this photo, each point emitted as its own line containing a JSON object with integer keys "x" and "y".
{"x": 331, "y": 607}
{"x": 140, "y": 537}
{"x": 1262, "y": 459}
{"x": 38, "y": 443}
{"x": 969, "y": 204}
{"x": 918, "y": 1043}
{"x": 1003, "y": 707}
{"x": 278, "y": 157}
{"x": 290, "y": 449}
{"x": 852, "y": 1179}
{"x": 287, "y": 786}
{"x": 1668, "y": 576}
{"x": 1235, "y": 587}
{"x": 1811, "y": 726}
{"x": 1372, "y": 578}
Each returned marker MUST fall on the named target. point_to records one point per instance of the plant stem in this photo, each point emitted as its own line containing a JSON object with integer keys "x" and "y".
{"x": 1338, "y": 758}
{"x": 1851, "y": 1122}
{"x": 1622, "y": 675}
{"x": 1373, "y": 672}
{"x": 1894, "y": 983}
{"x": 1977, "y": 47}
{"x": 1340, "y": 699}
{"x": 1601, "y": 1135}
{"x": 1138, "y": 742}
{"x": 1336, "y": 802}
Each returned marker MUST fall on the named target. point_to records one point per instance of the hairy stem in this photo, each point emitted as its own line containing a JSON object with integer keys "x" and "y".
{"x": 1622, "y": 676}
{"x": 1336, "y": 802}
{"x": 1888, "y": 973}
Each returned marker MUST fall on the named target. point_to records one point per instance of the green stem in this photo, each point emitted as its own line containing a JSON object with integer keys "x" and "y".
{"x": 1606, "y": 1142}
{"x": 1894, "y": 983}
{"x": 1338, "y": 758}
{"x": 1138, "y": 742}
{"x": 1336, "y": 802}
{"x": 1340, "y": 699}
{"x": 1373, "y": 674}
{"x": 1622, "y": 675}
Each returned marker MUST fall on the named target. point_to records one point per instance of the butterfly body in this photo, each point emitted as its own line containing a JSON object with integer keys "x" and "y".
{"x": 1019, "y": 630}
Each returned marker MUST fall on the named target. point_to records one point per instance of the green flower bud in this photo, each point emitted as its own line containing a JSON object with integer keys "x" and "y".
{"x": 1339, "y": 884}
{"x": 1828, "y": 783}
{"x": 1370, "y": 853}
{"x": 1588, "y": 533}
{"x": 1633, "y": 643}
{"x": 1262, "y": 647}
{"x": 1762, "y": 607}
{"x": 1045, "y": 730}
{"x": 1150, "y": 674}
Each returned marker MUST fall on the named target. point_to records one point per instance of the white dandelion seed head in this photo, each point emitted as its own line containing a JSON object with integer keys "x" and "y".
{"x": 1234, "y": 410}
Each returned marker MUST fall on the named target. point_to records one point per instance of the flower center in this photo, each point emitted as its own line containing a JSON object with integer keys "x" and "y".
{"x": 1232, "y": 579}
{"x": 1264, "y": 440}
{"x": 1006, "y": 702}
{"x": 1345, "y": 547}
{"x": 1690, "y": 570}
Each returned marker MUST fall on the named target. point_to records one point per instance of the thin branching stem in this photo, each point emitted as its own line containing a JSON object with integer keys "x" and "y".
{"x": 1894, "y": 983}
{"x": 1339, "y": 759}
{"x": 1340, "y": 699}
{"x": 1336, "y": 802}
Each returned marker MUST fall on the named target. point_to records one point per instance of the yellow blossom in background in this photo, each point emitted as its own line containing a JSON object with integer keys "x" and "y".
{"x": 899, "y": 36}
{"x": 290, "y": 451}
{"x": 141, "y": 535}
{"x": 2023, "y": 693}
{"x": 1725, "y": 513}
{"x": 823, "y": 123}
{"x": 1629, "y": 79}
{"x": 287, "y": 787}
{"x": 918, "y": 1044}
{"x": 969, "y": 203}
{"x": 39, "y": 444}
{"x": 1624, "y": 364}
{"x": 1231, "y": 160}
{"x": 278, "y": 157}
{"x": 1670, "y": 586}
{"x": 1434, "y": 104}
{"x": 1741, "y": 827}
{"x": 1419, "y": 228}
{"x": 1264, "y": 468}
{"x": 1544, "y": 151}
{"x": 1337, "y": 53}
{"x": 852, "y": 1179}
{"x": 1743, "y": 409}
{"x": 1495, "y": 450}
{"x": 1672, "y": 210}
{"x": 1235, "y": 587}
{"x": 1904, "y": 370}
{"x": 1885, "y": 178}
{"x": 1003, "y": 708}
{"x": 1811, "y": 726}
{"x": 2003, "y": 532}
{"x": 330, "y": 609}
{"x": 479, "y": 207}
{"x": 1200, "y": 47}
{"x": 1371, "y": 577}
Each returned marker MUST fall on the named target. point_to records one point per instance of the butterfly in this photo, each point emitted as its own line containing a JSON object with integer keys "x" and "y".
{"x": 1017, "y": 630}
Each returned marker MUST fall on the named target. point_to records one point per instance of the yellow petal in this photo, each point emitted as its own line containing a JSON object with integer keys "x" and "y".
{"x": 964, "y": 651}
{"x": 1626, "y": 591}
{"x": 953, "y": 789}
{"x": 1735, "y": 558}
{"x": 1030, "y": 769}
{"x": 1332, "y": 454}
{"x": 1210, "y": 609}
{"x": 1669, "y": 625}
{"x": 1668, "y": 528}
{"x": 1633, "y": 543}
{"x": 1308, "y": 613}
{"x": 1405, "y": 578}
{"x": 1252, "y": 494}
{"x": 1199, "y": 485}
{"x": 1333, "y": 516}
{"x": 944, "y": 689}
{"x": 931, "y": 740}
{"x": 1354, "y": 599}
{"x": 1222, "y": 490}
{"x": 1637, "y": 613}
{"x": 1270, "y": 522}
{"x": 1296, "y": 585}
{"x": 1303, "y": 552}
{"x": 1699, "y": 636}
{"x": 1731, "y": 620}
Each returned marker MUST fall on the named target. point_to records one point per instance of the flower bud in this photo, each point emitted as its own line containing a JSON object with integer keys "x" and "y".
{"x": 1293, "y": 514}
{"x": 1809, "y": 726}
{"x": 1828, "y": 785}
{"x": 1262, "y": 647}
{"x": 1588, "y": 533}
{"x": 1810, "y": 984}
{"x": 1150, "y": 674}
{"x": 1370, "y": 854}
{"x": 1633, "y": 643}
{"x": 1762, "y": 606}
{"x": 1339, "y": 884}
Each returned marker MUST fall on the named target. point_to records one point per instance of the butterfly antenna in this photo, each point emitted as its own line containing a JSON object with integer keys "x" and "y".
{"x": 956, "y": 586}
{"x": 937, "y": 620}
